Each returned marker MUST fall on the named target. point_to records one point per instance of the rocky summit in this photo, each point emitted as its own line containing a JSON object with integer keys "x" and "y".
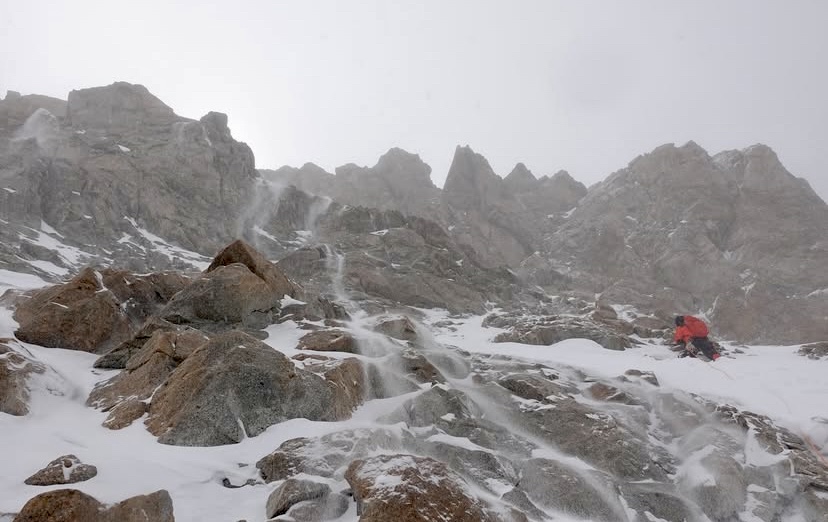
{"x": 183, "y": 336}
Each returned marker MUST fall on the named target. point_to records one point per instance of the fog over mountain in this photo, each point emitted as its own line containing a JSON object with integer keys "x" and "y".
{"x": 581, "y": 87}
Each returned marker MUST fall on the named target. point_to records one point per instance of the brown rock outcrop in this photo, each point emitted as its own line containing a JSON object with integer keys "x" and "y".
{"x": 406, "y": 488}
{"x": 78, "y": 315}
{"x": 397, "y": 327}
{"x": 240, "y": 252}
{"x": 15, "y": 369}
{"x": 333, "y": 340}
{"x": 71, "y": 505}
{"x": 62, "y": 505}
{"x": 239, "y": 287}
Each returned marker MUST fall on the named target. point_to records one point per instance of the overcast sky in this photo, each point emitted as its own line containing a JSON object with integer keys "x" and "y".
{"x": 582, "y": 86}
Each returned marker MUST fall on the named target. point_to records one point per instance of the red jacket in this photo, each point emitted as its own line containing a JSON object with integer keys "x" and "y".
{"x": 692, "y": 327}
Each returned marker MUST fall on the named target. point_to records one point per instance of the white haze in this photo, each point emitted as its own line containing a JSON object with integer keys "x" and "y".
{"x": 584, "y": 86}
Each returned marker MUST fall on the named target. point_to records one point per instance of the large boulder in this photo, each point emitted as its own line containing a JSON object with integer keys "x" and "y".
{"x": 144, "y": 372}
{"x": 71, "y": 505}
{"x": 15, "y": 369}
{"x": 240, "y": 287}
{"x": 81, "y": 314}
{"x": 233, "y": 387}
{"x": 407, "y": 488}
{"x": 116, "y": 358}
{"x": 438, "y": 402}
{"x": 61, "y": 505}
{"x": 241, "y": 252}
{"x": 142, "y": 296}
{"x": 305, "y": 500}
{"x": 397, "y": 327}
{"x": 326, "y": 456}
{"x": 157, "y": 507}
{"x": 333, "y": 340}
{"x": 96, "y": 310}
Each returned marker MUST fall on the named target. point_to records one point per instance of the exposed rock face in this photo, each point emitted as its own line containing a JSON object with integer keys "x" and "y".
{"x": 234, "y": 387}
{"x": 15, "y": 369}
{"x": 63, "y": 470}
{"x": 815, "y": 350}
{"x": 486, "y": 213}
{"x": 552, "y": 485}
{"x": 481, "y": 210}
{"x": 309, "y": 178}
{"x": 547, "y": 195}
{"x": 120, "y": 164}
{"x": 293, "y": 491}
{"x": 399, "y": 181}
{"x": 617, "y": 429}
{"x": 119, "y": 108}
{"x": 547, "y": 330}
{"x": 407, "y": 260}
{"x": 70, "y": 505}
{"x": 144, "y": 372}
{"x": 409, "y": 488}
{"x": 94, "y": 311}
{"x": 15, "y": 110}
{"x": 328, "y": 341}
{"x": 313, "y": 456}
{"x": 689, "y": 225}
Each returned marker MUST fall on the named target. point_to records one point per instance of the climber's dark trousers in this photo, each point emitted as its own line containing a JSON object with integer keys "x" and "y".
{"x": 704, "y": 345}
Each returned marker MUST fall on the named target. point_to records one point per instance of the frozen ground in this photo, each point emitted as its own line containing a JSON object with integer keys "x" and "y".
{"x": 765, "y": 379}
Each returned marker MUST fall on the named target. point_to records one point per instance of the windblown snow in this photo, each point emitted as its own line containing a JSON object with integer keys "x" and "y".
{"x": 770, "y": 380}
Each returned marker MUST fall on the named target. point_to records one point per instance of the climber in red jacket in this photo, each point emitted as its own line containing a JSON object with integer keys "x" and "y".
{"x": 692, "y": 333}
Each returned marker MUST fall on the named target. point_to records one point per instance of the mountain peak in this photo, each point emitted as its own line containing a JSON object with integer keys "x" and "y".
{"x": 520, "y": 177}
{"x": 471, "y": 182}
{"x": 400, "y": 163}
{"x": 118, "y": 107}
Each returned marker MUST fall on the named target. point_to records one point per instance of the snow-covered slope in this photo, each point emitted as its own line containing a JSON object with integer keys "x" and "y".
{"x": 770, "y": 380}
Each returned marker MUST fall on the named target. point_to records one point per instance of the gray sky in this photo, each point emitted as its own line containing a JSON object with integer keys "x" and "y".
{"x": 581, "y": 85}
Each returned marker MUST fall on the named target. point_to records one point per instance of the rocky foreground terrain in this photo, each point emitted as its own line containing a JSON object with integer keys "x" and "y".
{"x": 444, "y": 434}
{"x": 221, "y": 302}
